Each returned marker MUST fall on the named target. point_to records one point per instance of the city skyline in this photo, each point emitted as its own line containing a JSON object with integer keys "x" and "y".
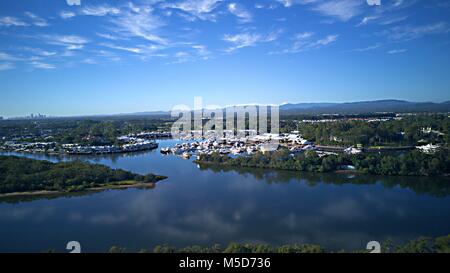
{"x": 108, "y": 57}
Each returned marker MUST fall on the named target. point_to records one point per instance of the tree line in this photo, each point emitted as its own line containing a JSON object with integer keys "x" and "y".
{"x": 413, "y": 163}
{"x": 403, "y": 132}
{"x": 420, "y": 245}
{"x": 87, "y": 131}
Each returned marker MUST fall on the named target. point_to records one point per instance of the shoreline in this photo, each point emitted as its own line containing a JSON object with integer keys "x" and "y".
{"x": 73, "y": 154}
{"x": 353, "y": 172}
{"x": 95, "y": 189}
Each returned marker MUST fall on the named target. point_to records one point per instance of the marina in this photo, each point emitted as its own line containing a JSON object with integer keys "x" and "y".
{"x": 293, "y": 142}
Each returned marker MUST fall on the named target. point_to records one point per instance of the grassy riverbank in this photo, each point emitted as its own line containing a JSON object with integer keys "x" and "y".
{"x": 110, "y": 186}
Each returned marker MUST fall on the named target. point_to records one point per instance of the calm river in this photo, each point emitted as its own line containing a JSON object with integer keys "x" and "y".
{"x": 204, "y": 206}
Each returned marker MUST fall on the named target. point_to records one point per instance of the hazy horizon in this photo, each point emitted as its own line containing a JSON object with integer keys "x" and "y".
{"x": 26, "y": 115}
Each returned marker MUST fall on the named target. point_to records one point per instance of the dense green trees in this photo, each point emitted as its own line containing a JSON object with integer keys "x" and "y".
{"x": 21, "y": 174}
{"x": 420, "y": 245}
{"x": 409, "y": 163}
{"x": 406, "y": 131}
{"x": 92, "y": 131}
{"x": 241, "y": 248}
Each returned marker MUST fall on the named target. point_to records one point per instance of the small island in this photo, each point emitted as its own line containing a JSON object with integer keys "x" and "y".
{"x": 23, "y": 176}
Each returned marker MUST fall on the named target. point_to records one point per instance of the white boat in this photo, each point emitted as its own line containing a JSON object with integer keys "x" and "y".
{"x": 352, "y": 151}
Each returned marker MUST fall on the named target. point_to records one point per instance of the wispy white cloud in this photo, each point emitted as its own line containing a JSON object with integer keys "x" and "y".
{"x": 305, "y": 41}
{"x": 144, "y": 52}
{"x": 286, "y": 3}
{"x": 89, "y": 61}
{"x": 41, "y": 65}
{"x": 202, "y": 51}
{"x": 100, "y": 10}
{"x": 6, "y": 66}
{"x": 247, "y": 39}
{"x": 397, "y": 51}
{"x": 180, "y": 57}
{"x": 139, "y": 22}
{"x": 193, "y": 53}
{"x": 123, "y": 48}
{"x": 9, "y": 21}
{"x": 390, "y": 12}
{"x": 35, "y": 60}
{"x": 67, "y": 14}
{"x": 200, "y": 9}
{"x": 407, "y": 33}
{"x": 36, "y": 20}
{"x": 70, "y": 42}
{"x": 107, "y": 55}
{"x": 392, "y": 20}
{"x": 143, "y": 28}
{"x": 259, "y": 6}
{"x": 366, "y": 20}
{"x": 242, "y": 40}
{"x": 303, "y": 35}
{"x": 289, "y": 3}
{"x": 40, "y": 52}
{"x": 240, "y": 12}
{"x": 8, "y": 57}
{"x": 325, "y": 41}
{"x": 29, "y": 55}
{"x": 343, "y": 10}
{"x": 181, "y": 54}
{"x": 382, "y": 19}
{"x": 190, "y": 53}
{"x": 397, "y": 5}
{"x": 109, "y": 36}
{"x": 363, "y": 49}
{"x": 266, "y": 5}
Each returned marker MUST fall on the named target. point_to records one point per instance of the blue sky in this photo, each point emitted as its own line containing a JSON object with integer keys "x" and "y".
{"x": 76, "y": 57}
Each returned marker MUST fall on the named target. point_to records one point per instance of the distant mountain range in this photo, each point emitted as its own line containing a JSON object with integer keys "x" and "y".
{"x": 361, "y": 107}
{"x": 364, "y": 107}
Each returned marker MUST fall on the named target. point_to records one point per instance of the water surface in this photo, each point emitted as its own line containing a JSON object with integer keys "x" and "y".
{"x": 203, "y": 206}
